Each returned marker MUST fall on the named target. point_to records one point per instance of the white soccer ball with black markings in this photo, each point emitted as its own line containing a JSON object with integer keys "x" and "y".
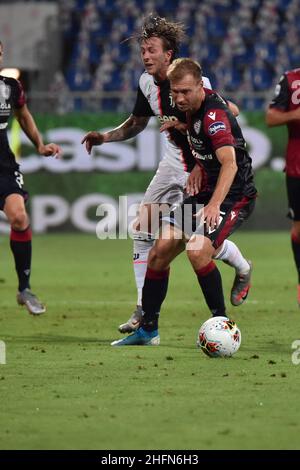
{"x": 219, "y": 337}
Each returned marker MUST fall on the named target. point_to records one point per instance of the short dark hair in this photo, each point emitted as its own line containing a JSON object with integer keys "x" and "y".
{"x": 171, "y": 34}
{"x": 181, "y": 67}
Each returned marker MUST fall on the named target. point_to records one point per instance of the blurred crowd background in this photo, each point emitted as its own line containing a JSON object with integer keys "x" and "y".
{"x": 243, "y": 45}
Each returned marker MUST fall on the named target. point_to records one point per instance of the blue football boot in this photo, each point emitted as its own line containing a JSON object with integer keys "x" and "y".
{"x": 139, "y": 338}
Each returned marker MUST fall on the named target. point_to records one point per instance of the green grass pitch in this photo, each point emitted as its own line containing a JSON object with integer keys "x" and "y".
{"x": 65, "y": 387}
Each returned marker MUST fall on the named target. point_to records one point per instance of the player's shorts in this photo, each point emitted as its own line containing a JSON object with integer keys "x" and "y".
{"x": 293, "y": 193}
{"x": 232, "y": 215}
{"x": 11, "y": 183}
{"x": 167, "y": 186}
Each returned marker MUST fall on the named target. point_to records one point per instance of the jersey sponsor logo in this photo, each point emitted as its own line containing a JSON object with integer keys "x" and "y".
{"x": 5, "y": 107}
{"x": 212, "y": 115}
{"x": 165, "y": 118}
{"x": 216, "y": 127}
{"x": 197, "y": 126}
{"x": 199, "y": 156}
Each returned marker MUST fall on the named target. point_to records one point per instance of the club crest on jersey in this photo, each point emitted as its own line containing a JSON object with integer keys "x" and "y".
{"x": 197, "y": 126}
{"x": 216, "y": 127}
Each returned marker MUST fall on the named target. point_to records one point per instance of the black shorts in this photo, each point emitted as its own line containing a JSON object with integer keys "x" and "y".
{"x": 232, "y": 215}
{"x": 293, "y": 193}
{"x": 11, "y": 183}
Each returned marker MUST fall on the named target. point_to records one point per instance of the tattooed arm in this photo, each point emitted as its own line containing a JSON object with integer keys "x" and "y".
{"x": 129, "y": 128}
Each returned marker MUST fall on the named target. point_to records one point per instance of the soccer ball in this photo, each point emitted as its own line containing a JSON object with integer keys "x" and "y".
{"x": 219, "y": 337}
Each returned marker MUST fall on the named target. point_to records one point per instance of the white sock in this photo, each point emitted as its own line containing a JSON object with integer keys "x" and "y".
{"x": 141, "y": 250}
{"x": 231, "y": 255}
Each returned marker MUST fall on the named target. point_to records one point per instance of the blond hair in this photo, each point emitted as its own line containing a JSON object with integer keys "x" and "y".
{"x": 182, "y": 67}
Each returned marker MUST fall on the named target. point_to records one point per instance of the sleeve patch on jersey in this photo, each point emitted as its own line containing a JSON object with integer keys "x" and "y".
{"x": 216, "y": 127}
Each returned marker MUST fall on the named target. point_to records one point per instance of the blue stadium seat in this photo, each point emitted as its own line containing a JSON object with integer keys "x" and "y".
{"x": 243, "y": 20}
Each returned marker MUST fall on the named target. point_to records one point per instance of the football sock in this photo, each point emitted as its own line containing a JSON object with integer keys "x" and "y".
{"x": 141, "y": 250}
{"x": 296, "y": 252}
{"x": 20, "y": 244}
{"x": 154, "y": 293}
{"x": 210, "y": 282}
{"x": 231, "y": 255}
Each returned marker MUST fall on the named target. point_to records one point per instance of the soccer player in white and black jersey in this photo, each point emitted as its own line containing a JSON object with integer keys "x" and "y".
{"x": 12, "y": 193}
{"x": 159, "y": 44}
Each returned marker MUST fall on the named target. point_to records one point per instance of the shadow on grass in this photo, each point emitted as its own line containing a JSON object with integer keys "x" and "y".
{"x": 54, "y": 339}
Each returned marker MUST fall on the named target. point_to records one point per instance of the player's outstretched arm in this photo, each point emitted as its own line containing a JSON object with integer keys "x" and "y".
{"x": 128, "y": 129}
{"x": 28, "y": 125}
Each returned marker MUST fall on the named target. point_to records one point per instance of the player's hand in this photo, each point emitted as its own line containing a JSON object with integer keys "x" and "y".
{"x": 193, "y": 183}
{"x": 211, "y": 216}
{"x": 92, "y": 138}
{"x": 176, "y": 124}
{"x": 50, "y": 150}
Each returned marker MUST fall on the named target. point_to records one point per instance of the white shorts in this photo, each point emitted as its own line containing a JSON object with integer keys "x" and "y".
{"x": 167, "y": 186}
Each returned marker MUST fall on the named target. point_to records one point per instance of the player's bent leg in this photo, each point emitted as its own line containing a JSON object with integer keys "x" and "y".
{"x": 230, "y": 254}
{"x": 14, "y": 209}
{"x": 200, "y": 252}
{"x": 154, "y": 292}
{"x": 166, "y": 248}
{"x": 234, "y": 215}
{"x": 142, "y": 244}
{"x": 157, "y": 276}
{"x": 20, "y": 243}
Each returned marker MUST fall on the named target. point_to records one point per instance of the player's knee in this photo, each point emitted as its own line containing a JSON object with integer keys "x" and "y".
{"x": 159, "y": 254}
{"x": 19, "y": 219}
{"x": 199, "y": 258}
{"x": 164, "y": 248}
{"x": 193, "y": 255}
